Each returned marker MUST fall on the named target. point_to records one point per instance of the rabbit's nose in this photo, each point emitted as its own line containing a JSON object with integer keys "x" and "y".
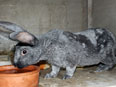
{"x": 19, "y": 64}
{"x": 14, "y": 64}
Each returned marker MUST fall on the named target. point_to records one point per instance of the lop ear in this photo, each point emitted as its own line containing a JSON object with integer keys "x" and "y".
{"x": 18, "y": 33}
{"x": 23, "y": 37}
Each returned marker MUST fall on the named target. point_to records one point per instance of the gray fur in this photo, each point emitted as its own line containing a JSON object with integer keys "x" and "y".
{"x": 11, "y": 26}
{"x": 69, "y": 50}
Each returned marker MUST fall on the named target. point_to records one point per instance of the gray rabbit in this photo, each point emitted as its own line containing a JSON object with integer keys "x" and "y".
{"x": 63, "y": 49}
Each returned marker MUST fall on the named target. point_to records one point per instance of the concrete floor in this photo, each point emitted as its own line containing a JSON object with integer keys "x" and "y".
{"x": 83, "y": 77}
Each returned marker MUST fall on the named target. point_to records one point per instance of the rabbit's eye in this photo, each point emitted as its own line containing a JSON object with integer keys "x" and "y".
{"x": 23, "y": 52}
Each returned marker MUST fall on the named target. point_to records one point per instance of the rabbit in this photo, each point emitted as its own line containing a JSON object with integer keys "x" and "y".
{"x": 63, "y": 49}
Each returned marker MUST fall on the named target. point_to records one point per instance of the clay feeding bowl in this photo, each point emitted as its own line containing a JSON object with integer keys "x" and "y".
{"x": 11, "y": 76}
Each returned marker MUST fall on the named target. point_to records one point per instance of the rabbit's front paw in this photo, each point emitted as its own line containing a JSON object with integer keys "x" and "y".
{"x": 67, "y": 77}
{"x": 49, "y": 75}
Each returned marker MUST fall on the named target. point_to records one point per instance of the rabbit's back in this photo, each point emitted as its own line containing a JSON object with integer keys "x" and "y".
{"x": 85, "y": 48}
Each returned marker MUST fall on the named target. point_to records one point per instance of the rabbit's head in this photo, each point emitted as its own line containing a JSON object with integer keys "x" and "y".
{"x": 25, "y": 50}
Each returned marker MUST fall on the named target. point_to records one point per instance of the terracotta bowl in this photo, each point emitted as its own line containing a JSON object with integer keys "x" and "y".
{"x": 11, "y": 76}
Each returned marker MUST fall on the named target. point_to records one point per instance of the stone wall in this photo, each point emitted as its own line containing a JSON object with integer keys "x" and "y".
{"x": 104, "y": 14}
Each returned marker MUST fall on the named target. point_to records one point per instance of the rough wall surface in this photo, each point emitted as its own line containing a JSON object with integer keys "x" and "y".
{"x": 40, "y": 16}
{"x": 104, "y": 14}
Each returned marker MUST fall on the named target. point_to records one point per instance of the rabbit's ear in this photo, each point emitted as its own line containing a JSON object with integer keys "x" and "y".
{"x": 24, "y": 37}
{"x": 18, "y": 33}
{"x": 11, "y": 26}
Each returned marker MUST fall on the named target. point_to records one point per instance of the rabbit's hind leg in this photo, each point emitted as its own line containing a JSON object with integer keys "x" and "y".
{"x": 104, "y": 67}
